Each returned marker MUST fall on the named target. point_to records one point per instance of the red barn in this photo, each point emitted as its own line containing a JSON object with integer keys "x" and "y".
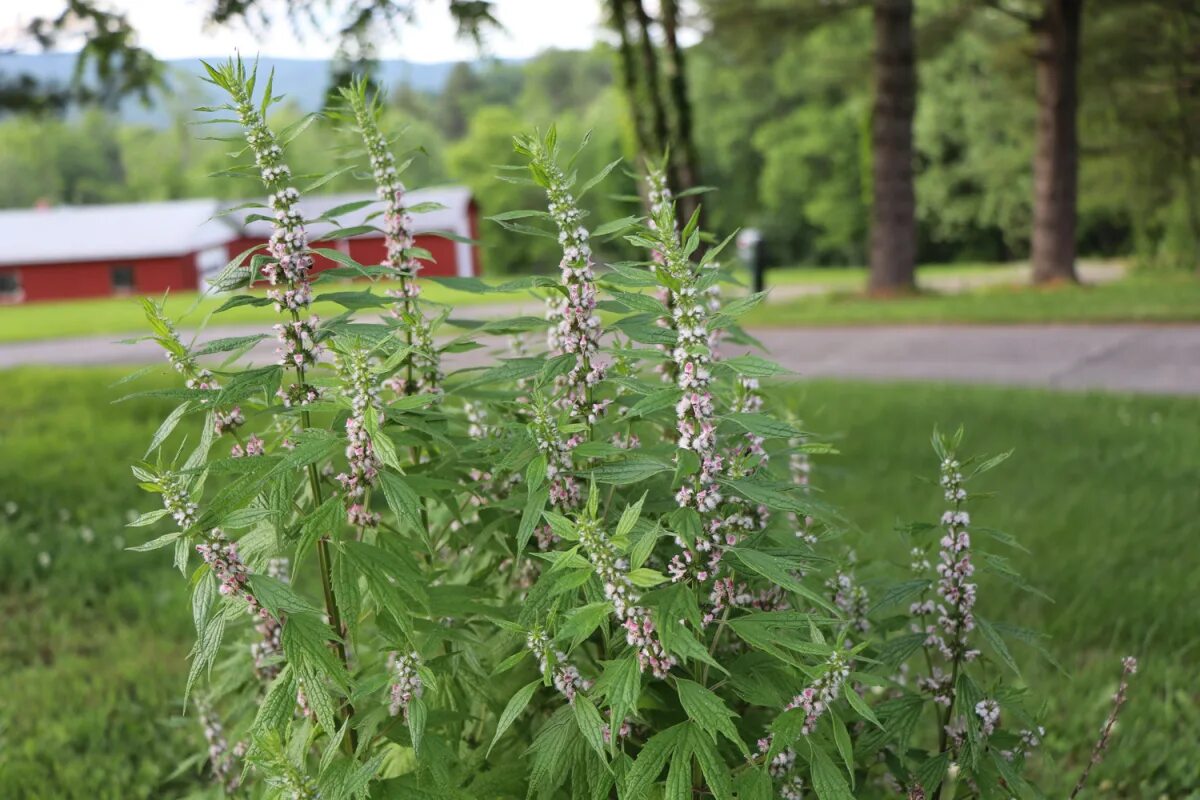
{"x": 457, "y": 215}
{"x": 148, "y": 248}
{"x": 96, "y": 251}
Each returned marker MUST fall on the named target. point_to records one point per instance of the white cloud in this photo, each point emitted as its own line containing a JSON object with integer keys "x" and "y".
{"x": 175, "y": 29}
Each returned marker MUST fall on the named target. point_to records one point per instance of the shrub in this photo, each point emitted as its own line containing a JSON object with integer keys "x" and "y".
{"x": 596, "y": 571}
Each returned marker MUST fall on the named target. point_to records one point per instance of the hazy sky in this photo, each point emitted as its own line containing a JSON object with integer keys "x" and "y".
{"x": 175, "y": 29}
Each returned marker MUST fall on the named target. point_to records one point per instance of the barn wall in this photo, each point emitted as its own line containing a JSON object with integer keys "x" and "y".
{"x": 84, "y": 279}
{"x": 370, "y": 250}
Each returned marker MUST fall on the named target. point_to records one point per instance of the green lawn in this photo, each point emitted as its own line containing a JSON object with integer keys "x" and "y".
{"x": 1152, "y": 297}
{"x": 1156, "y": 297}
{"x": 1101, "y": 489}
{"x": 855, "y": 278}
{"x": 123, "y": 315}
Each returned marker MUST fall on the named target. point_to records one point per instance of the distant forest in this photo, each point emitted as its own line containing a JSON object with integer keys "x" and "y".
{"x": 782, "y": 127}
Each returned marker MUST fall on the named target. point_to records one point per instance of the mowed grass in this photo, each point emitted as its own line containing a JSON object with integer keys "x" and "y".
{"x": 1162, "y": 297}
{"x": 1155, "y": 297}
{"x": 122, "y": 316}
{"x": 1101, "y": 490}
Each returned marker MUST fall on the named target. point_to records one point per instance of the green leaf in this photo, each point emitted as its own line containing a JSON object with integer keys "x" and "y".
{"x": 631, "y": 470}
{"x": 581, "y": 622}
{"x": 168, "y": 425}
{"x": 278, "y": 597}
{"x": 530, "y": 516}
{"x": 154, "y": 544}
{"x": 417, "y": 714}
{"x": 841, "y": 737}
{"x": 753, "y": 366}
{"x": 708, "y": 711}
{"x": 277, "y": 706}
{"x": 204, "y": 652}
{"x": 860, "y": 706}
{"x": 595, "y": 180}
{"x": 590, "y": 723}
{"x": 535, "y": 473}
{"x": 993, "y": 638}
{"x": 646, "y": 578}
{"x": 764, "y": 425}
{"x": 644, "y": 546}
{"x": 652, "y": 758}
{"x": 516, "y": 704}
{"x": 777, "y": 571}
{"x": 932, "y": 772}
{"x": 403, "y": 501}
{"x": 621, "y": 685}
{"x": 827, "y": 779}
{"x": 714, "y": 768}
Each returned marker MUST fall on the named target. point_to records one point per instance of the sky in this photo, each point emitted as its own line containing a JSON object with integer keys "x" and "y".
{"x": 175, "y": 29}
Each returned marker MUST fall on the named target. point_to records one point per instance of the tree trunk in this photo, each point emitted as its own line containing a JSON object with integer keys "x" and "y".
{"x": 629, "y": 78}
{"x": 688, "y": 164}
{"x": 658, "y": 112}
{"x": 893, "y": 208}
{"x": 1056, "y": 157}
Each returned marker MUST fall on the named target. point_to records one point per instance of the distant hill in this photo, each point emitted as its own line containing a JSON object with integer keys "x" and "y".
{"x": 303, "y": 81}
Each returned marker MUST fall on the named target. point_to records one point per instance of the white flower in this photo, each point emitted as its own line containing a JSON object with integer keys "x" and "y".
{"x": 43, "y": 559}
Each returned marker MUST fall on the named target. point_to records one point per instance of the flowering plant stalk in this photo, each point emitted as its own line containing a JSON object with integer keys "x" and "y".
{"x": 480, "y": 586}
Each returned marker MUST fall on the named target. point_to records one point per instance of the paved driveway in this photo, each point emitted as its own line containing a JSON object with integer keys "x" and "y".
{"x": 1156, "y": 359}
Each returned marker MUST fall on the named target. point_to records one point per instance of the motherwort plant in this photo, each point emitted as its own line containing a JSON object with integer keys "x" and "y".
{"x": 374, "y": 619}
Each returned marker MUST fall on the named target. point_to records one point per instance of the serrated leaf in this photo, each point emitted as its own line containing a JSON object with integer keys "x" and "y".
{"x": 653, "y": 757}
{"x": 590, "y": 723}
{"x": 841, "y": 738}
{"x": 860, "y": 706}
{"x": 708, "y": 711}
{"x": 712, "y": 766}
{"x": 827, "y": 779}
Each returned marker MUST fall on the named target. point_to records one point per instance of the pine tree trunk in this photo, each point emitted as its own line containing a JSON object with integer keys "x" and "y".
{"x": 1056, "y": 157}
{"x": 658, "y": 111}
{"x": 893, "y": 210}
{"x": 629, "y": 78}
{"x": 688, "y": 164}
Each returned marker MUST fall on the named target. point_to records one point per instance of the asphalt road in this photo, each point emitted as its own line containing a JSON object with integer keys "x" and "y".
{"x": 1152, "y": 359}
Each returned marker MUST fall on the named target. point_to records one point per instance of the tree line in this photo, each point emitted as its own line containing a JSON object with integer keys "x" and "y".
{"x": 883, "y": 131}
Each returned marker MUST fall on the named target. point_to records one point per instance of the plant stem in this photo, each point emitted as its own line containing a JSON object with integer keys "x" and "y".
{"x": 326, "y": 567}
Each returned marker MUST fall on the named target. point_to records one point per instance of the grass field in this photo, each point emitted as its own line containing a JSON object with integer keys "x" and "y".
{"x": 123, "y": 315}
{"x": 1101, "y": 489}
{"x": 1152, "y": 297}
{"x": 1155, "y": 297}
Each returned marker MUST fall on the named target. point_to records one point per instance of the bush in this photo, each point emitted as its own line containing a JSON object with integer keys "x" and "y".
{"x": 596, "y": 571}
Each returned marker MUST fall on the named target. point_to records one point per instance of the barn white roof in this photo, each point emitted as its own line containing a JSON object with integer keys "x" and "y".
{"x": 454, "y": 201}
{"x": 174, "y": 227}
{"x": 102, "y": 232}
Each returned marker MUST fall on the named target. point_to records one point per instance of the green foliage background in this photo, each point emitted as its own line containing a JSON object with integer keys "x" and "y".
{"x": 782, "y": 124}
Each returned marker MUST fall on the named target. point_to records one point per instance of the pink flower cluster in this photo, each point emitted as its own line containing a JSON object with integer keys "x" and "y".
{"x": 220, "y": 757}
{"x": 988, "y": 712}
{"x": 851, "y": 598}
{"x": 362, "y": 468}
{"x": 422, "y": 372}
{"x": 406, "y": 683}
{"x": 815, "y": 700}
{"x": 267, "y": 652}
{"x": 956, "y": 612}
{"x": 612, "y": 570}
{"x": 228, "y": 420}
{"x": 565, "y": 675}
{"x": 576, "y": 328}
{"x": 177, "y": 499}
{"x": 782, "y": 768}
{"x": 800, "y": 467}
{"x": 254, "y": 447}
{"x": 288, "y": 272}
{"x": 565, "y": 491}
